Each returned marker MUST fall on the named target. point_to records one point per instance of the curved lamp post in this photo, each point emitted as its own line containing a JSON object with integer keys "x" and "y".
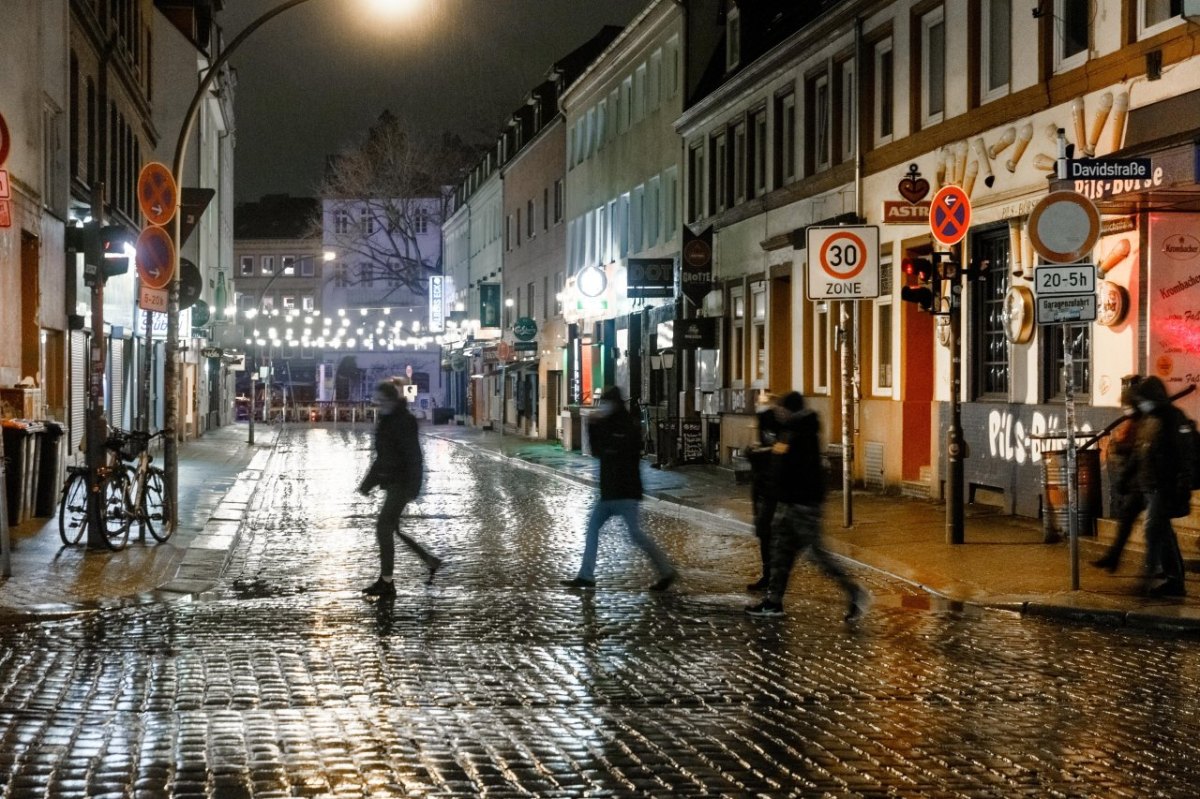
{"x": 170, "y": 371}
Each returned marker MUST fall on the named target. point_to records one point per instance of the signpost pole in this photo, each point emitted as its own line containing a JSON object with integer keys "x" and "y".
{"x": 1072, "y": 464}
{"x": 955, "y": 477}
{"x": 844, "y": 343}
{"x": 96, "y": 427}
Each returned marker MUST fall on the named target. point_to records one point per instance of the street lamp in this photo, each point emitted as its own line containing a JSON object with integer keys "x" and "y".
{"x": 170, "y": 368}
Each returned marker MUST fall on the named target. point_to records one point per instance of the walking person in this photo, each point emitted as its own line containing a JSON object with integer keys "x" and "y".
{"x": 615, "y": 437}
{"x": 398, "y": 468}
{"x": 762, "y": 495}
{"x": 1127, "y": 498}
{"x": 1155, "y": 470}
{"x": 799, "y": 482}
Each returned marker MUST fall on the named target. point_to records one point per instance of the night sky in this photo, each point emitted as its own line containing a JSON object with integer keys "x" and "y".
{"x": 317, "y": 76}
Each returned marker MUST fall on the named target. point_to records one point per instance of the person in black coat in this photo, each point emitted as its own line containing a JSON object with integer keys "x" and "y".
{"x": 398, "y": 468}
{"x": 616, "y": 439}
{"x": 762, "y": 495}
{"x": 798, "y": 478}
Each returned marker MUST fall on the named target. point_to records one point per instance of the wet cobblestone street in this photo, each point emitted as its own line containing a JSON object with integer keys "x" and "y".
{"x": 495, "y": 681}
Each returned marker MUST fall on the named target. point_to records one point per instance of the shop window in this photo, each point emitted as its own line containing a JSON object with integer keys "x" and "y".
{"x": 759, "y": 373}
{"x": 881, "y": 325}
{"x": 1079, "y": 340}
{"x": 988, "y": 340}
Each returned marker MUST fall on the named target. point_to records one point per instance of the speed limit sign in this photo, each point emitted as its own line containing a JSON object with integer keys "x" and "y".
{"x": 843, "y": 263}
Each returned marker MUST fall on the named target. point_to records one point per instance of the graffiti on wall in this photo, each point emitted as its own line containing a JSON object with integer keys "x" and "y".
{"x": 1017, "y": 440}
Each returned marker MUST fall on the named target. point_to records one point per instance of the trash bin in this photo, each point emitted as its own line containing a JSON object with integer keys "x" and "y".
{"x": 50, "y": 468}
{"x": 21, "y": 446}
{"x": 1056, "y": 519}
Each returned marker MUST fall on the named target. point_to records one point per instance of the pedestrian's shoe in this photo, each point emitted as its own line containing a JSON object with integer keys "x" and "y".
{"x": 766, "y": 608}
{"x": 380, "y": 587}
{"x": 434, "y": 565}
{"x": 860, "y": 600}
{"x": 578, "y": 582}
{"x": 1108, "y": 563}
{"x": 759, "y": 586}
{"x": 664, "y": 582}
{"x": 1171, "y": 588}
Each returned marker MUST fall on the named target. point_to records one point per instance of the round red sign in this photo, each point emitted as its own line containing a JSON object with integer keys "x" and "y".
{"x": 950, "y": 214}
{"x": 155, "y": 258}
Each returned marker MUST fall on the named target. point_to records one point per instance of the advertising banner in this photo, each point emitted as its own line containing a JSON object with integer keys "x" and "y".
{"x": 1173, "y": 304}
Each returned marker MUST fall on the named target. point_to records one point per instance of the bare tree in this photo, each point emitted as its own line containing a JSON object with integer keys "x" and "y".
{"x": 387, "y": 194}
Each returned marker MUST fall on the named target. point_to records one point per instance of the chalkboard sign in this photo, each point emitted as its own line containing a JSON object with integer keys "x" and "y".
{"x": 691, "y": 441}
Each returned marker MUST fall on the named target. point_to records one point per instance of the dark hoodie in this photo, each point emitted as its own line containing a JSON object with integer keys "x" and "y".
{"x": 799, "y": 475}
{"x": 616, "y": 439}
{"x": 1156, "y": 456}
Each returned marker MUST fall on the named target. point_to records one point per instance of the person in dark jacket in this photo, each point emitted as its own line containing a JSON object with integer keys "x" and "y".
{"x": 615, "y": 438}
{"x": 1127, "y": 499}
{"x": 1154, "y": 470}
{"x": 799, "y": 484}
{"x": 398, "y": 468}
{"x": 762, "y": 496}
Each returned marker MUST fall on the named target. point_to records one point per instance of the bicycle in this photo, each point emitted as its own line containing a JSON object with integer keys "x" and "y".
{"x": 146, "y": 500}
{"x": 73, "y": 506}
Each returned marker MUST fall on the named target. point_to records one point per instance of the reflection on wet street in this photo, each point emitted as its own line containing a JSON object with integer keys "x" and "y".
{"x": 494, "y": 680}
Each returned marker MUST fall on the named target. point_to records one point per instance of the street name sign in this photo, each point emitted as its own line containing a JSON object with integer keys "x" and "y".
{"x": 843, "y": 263}
{"x": 1108, "y": 168}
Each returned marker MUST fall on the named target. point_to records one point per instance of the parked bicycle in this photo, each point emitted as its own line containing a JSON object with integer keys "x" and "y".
{"x": 133, "y": 493}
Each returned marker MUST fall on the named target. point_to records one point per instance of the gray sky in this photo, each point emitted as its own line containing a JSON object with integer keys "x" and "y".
{"x": 317, "y": 76}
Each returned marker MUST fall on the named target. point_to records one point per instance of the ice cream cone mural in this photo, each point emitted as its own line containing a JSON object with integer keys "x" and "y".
{"x": 1001, "y": 144}
{"x": 1043, "y": 162}
{"x": 1119, "y": 252}
{"x": 1120, "y": 111}
{"x": 1023, "y": 137}
{"x": 985, "y": 164}
{"x": 969, "y": 177}
{"x": 1077, "y": 111}
{"x": 1099, "y": 117}
{"x": 940, "y": 170}
{"x": 1028, "y": 258}
{"x": 1014, "y": 245}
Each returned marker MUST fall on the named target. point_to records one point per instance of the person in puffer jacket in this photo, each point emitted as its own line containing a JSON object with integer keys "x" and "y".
{"x": 799, "y": 485}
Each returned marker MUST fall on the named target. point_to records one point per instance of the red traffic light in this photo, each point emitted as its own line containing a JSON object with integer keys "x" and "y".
{"x": 920, "y": 268}
{"x": 922, "y": 296}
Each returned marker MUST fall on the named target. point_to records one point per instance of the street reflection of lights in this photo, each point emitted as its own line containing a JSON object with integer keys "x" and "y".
{"x": 363, "y": 312}
{"x": 349, "y": 342}
{"x": 345, "y": 323}
{"x": 262, "y": 342}
{"x": 341, "y": 311}
{"x": 251, "y": 313}
{"x": 272, "y": 332}
{"x": 416, "y": 326}
{"x": 387, "y": 311}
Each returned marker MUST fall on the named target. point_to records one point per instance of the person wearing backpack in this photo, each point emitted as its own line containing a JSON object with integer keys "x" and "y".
{"x": 1155, "y": 468}
{"x": 799, "y": 485}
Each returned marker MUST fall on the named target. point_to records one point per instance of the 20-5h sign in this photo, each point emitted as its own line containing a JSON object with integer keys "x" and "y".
{"x": 843, "y": 263}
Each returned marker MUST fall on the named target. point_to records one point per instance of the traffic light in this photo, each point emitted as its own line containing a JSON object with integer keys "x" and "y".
{"x": 923, "y": 294}
{"x": 113, "y": 242}
{"x": 103, "y": 248}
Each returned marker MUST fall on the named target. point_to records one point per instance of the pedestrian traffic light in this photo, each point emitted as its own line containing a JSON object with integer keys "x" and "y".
{"x": 920, "y": 268}
{"x": 114, "y": 242}
{"x": 104, "y": 249}
{"x": 921, "y": 295}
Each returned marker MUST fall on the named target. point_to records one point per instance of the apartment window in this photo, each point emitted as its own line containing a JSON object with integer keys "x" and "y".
{"x": 626, "y": 103}
{"x": 818, "y": 116}
{"x": 611, "y": 245}
{"x": 529, "y": 219}
{"x": 558, "y": 201}
{"x": 933, "y": 67}
{"x": 368, "y": 221}
{"x": 267, "y": 264}
{"x": 247, "y": 266}
{"x": 740, "y": 163}
{"x": 545, "y": 296}
{"x": 421, "y": 221}
{"x": 614, "y": 113}
{"x": 589, "y": 135}
{"x": 288, "y": 302}
{"x": 995, "y": 48}
{"x": 671, "y": 67}
{"x": 308, "y": 266}
{"x": 695, "y": 178}
{"x": 654, "y": 81}
{"x": 1155, "y": 16}
{"x": 882, "y": 326}
{"x": 623, "y": 221}
{"x": 737, "y": 337}
{"x": 529, "y": 301}
{"x": 637, "y": 214}
{"x": 341, "y": 275}
{"x": 670, "y": 188}
{"x": 758, "y": 334}
{"x": 757, "y": 155}
{"x": 718, "y": 176}
{"x": 785, "y": 138}
{"x": 341, "y": 222}
{"x": 546, "y": 209}
{"x": 733, "y": 38}
{"x": 517, "y": 227}
{"x": 652, "y": 211}
{"x": 601, "y": 124}
{"x": 508, "y": 232}
{"x": 848, "y": 119}
{"x": 884, "y": 106}
{"x": 268, "y": 302}
{"x": 287, "y": 264}
{"x": 1071, "y": 25}
{"x": 246, "y": 302}
{"x": 639, "y": 93}
{"x": 307, "y": 303}
{"x": 54, "y": 185}
{"x": 558, "y": 293}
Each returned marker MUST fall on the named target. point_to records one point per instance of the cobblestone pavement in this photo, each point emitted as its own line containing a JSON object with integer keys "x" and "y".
{"x": 283, "y": 681}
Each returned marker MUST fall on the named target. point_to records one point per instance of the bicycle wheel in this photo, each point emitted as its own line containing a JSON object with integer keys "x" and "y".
{"x": 156, "y": 508}
{"x": 72, "y": 512}
{"x": 117, "y": 518}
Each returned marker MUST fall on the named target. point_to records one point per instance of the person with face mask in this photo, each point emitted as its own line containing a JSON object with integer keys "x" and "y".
{"x": 1154, "y": 470}
{"x": 398, "y": 468}
{"x": 615, "y": 437}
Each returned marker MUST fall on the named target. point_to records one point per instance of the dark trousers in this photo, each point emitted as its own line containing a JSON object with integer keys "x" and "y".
{"x": 763, "y": 504}
{"x": 1127, "y": 507}
{"x": 1162, "y": 547}
{"x": 387, "y": 528}
{"x": 798, "y": 528}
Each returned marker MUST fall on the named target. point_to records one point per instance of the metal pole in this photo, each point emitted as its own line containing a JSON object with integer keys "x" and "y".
{"x": 170, "y": 376}
{"x": 5, "y": 546}
{"x": 96, "y": 433}
{"x": 954, "y": 443}
{"x": 844, "y": 344}
{"x": 1072, "y": 465}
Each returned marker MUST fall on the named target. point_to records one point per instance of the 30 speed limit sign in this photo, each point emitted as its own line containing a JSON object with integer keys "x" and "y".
{"x": 843, "y": 263}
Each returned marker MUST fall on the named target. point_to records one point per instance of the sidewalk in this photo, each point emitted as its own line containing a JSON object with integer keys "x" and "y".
{"x": 1003, "y": 563}
{"x": 217, "y": 474}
